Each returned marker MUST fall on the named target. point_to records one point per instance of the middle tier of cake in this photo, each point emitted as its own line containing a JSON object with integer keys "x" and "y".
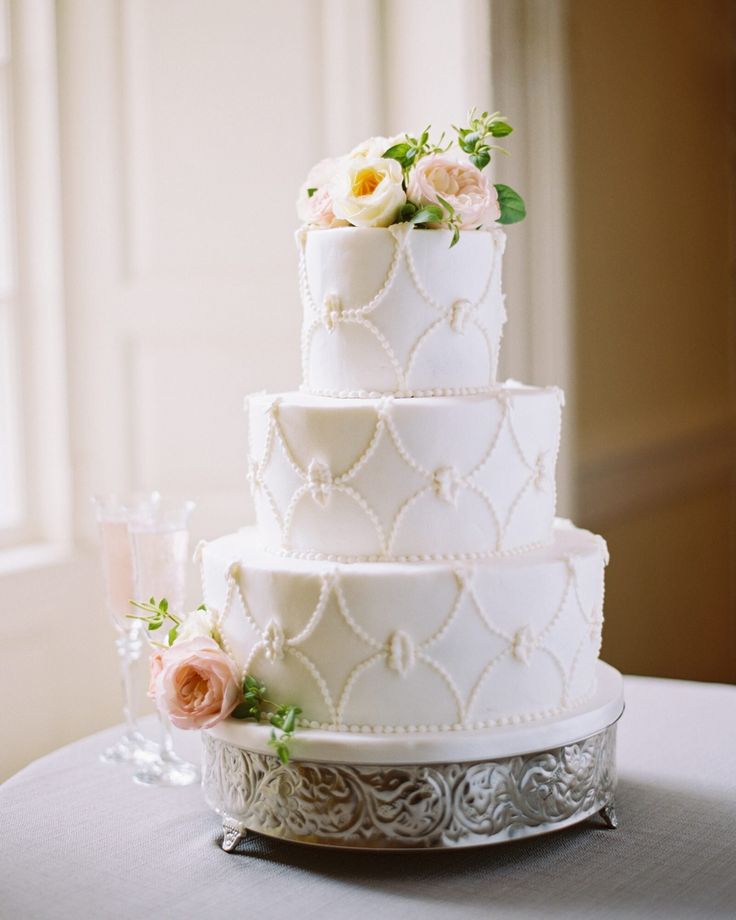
{"x": 423, "y": 479}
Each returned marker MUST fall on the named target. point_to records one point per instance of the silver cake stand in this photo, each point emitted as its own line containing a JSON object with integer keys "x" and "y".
{"x": 403, "y": 792}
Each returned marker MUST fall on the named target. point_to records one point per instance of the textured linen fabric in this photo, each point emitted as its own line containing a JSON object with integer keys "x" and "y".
{"x": 79, "y": 840}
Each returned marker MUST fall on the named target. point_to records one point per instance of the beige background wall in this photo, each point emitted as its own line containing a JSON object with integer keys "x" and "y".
{"x": 653, "y": 145}
{"x": 179, "y": 282}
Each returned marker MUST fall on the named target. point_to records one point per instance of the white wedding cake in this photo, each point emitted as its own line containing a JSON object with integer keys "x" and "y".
{"x": 406, "y": 573}
{"x": 403, "y": 652}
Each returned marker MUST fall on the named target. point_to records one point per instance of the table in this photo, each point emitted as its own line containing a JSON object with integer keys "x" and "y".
{"x": 79, "y": 840}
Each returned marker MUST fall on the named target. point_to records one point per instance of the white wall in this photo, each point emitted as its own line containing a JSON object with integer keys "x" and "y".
{"x": 185, "y": 130}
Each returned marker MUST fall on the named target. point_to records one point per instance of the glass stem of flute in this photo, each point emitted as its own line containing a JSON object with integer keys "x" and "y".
{"x": 129, "y": 647}
{"x": 167, "y": 742}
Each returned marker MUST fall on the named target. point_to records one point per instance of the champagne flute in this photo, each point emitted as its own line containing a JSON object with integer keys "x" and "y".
{"x": 159, "y": 539}
{"x": 112, "y": 512}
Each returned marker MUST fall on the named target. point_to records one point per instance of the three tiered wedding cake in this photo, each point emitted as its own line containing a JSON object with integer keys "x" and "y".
{"x": 407, "y": 572}
{"x": 407, "y": 583}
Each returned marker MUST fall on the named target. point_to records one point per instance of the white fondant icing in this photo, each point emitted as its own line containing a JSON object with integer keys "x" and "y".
{"x": 406, "y": 648}
{"x": 399, "y": 311}
{"x": 602, "y": 708}
{"x": 459, "y": 477}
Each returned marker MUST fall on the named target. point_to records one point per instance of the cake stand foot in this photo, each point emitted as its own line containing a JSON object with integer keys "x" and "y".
{"x": 233, "y": 832}
{"x": 608, "y": 815}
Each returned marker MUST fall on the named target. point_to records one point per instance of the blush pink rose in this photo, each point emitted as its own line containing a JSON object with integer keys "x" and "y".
{"x": 460, "y": 183}
{"x": 198, "y": 685}
{"x": 316, "y": 209}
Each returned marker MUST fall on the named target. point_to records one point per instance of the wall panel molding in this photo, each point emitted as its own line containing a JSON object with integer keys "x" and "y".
{"x": 651, "y": 473}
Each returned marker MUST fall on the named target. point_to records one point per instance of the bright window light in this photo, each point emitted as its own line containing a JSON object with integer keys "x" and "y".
{"x": 11, "y": 499}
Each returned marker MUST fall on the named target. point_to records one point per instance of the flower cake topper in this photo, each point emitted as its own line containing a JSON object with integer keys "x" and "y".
{"x": 406, "y": 179}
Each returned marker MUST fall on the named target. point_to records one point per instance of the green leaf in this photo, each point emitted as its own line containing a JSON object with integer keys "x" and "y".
{"x": 163, "y": 604}
{"x": 281, "y": 746}
{"x": 511, "y": 204}
{"x": 430, "y": 213}
{"x": 397, "y": 152}
{"x": 455, "y": 236}
{"x": 242, "y": 711}
{"x": 289, "y": 723}
{"x": 310, "y": 192}
{"x": 446, "y": 205}
{"x": 407, "y": 212}
{"x": 481, "y": 159}
{"x": 202, "y": 607}
{"x": 500, "y": 128}
{"x": 252, "y": 683}
{"x": 173, "y": 632}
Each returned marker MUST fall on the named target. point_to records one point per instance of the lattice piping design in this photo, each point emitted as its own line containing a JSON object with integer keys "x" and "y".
{"x": 319, "y": 482}
{"x": 273, "y": 643}
{"x": 457, "y": 315}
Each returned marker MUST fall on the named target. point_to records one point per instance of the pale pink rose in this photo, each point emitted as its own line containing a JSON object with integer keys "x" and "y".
{"x": 199, "y": 685}
{"x": 155, "y": 666}
{"x": 316, "y": 209}
{"x": 460, "y": 183}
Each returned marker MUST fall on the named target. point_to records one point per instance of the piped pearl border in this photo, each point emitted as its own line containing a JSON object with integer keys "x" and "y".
{"x": 416, "y": 557}
{"x": 401, "y": 394}
{"x": 503, "y": 721}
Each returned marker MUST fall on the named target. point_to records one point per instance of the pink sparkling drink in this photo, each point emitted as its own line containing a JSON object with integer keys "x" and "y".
{"x": 117, "y": 564}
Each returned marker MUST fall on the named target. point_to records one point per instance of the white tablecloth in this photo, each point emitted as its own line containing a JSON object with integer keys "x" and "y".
{"x": 79, "y": 840}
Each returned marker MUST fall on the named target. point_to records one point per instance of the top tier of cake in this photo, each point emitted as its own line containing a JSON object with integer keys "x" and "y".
{"x": 400, "y": 312}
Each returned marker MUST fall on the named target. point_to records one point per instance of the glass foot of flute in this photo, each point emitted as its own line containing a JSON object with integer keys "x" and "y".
{"x": 167, "y": 768}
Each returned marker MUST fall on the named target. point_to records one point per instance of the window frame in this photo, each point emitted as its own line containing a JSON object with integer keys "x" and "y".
{"x": 35, "y": 307}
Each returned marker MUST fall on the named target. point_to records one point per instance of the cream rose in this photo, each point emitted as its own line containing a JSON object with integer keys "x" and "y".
{"x": 375, "y": 147}
{"x": 368, "y": 192}
{"x": 197, "y": 623}
{"x": 198, "y": 685}
{"x": 315, "y": 209}
{"x": 460, "y": 183}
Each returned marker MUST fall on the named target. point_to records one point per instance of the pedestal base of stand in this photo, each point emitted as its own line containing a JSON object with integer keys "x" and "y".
{"x": 424, "y": 804}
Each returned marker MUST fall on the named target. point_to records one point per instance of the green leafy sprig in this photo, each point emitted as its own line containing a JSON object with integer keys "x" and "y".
{"x": 157, "y": 614}
{"x": 408, "y": 151}
{"x": 474, "y": 139}
{"x": 283, "y": 716}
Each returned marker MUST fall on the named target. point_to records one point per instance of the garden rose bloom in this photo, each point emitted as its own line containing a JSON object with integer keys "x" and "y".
{"x": 460, "y": 183}
{"x": 375, "y": 147}
{"x": 368, "y": 192}
{"x": 198, "y": 685}
{"x": 316, "y": 210}
{"x": 196, "y": 623}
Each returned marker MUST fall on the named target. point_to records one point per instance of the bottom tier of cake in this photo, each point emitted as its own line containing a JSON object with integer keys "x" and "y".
{"x": 414, "y": 648}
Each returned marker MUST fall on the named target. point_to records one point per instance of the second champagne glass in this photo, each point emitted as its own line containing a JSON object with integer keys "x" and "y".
{"x": 160, "y": 547}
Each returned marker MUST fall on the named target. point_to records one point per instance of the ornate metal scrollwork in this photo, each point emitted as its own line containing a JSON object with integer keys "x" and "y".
{"x": 410, "y": 805}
